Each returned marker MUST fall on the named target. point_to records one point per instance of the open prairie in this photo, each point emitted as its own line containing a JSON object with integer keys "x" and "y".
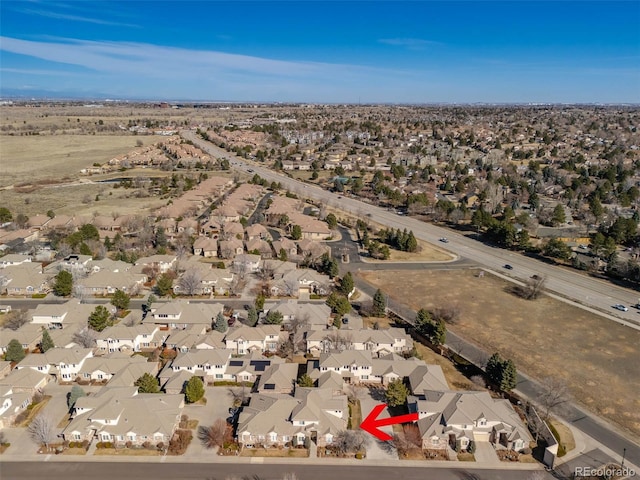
{"x": 595, "y": 357}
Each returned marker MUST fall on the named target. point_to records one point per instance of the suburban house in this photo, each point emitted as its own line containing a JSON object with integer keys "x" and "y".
{"x": 137, "y": 338}
{"x": 11, "y": 404}
{"x": 353, "y": 366}
{"x": 272, "y": 419}
{"x": 247, "y": 369}
{"x": 13, "y": 259}
{"x": 162, "y": 263}
{"x": 286, "y": 244}
{"x": 102, "y": 368}
{"x": 26, "y": 380}
{"x": 263, "y": 338}
{"x": 105, "y": 282}
{"x": 24, "y": 279}
{"x": 210, "y": 364}
{"x": 74, "y": 263}
{"x": 246, "y": 263}
{"x": 301, "y": 281}
{"x": 314, "y": 314}
{"x": 184, "y": 340}
{"x": 63, "y": 364}
{"x": 29, "y": 336}
{"x": 121, "y": 415}
{"x": 258, "y": 231}
{"x": 380, "y": 342}
{"x": 206, "y": 247}
{"x": 278, "y": 378}
{"x": 230, "y": 248}
{"x": 454, "y": 418}
{"x": 258, "y": 245}
{"x": 70, "y": 314}
{"x": 182, "y": 314}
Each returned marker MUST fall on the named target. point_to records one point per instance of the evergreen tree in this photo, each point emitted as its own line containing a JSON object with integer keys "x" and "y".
{"x": 347, "y": 284}
{"x": 332, "y": 221}
{"x": 99, "y": 319}
{"x": 379, "y": 308}
{"x": 120, "y": 300}
{"x": 85, "y": 250}
{"x": 63, "y": 285}
{"x": 164, "y": 285}
{"x": 46, "y": 343}
{"x": 282, "y": 255}
{"x": 396, "y": 394}
{"x": 147, "y": 383}
{"x": 558, "y": 216}
{"x": 252, "y": 316}
{"x": 509, "y": 376}
{"x": 296, "y": 232}
{"x": 493, "y": 368}
{"x": 305, "y": 381}
{"x": 423, "y": 322}
{"x": 259, "y": 302}
{"x": 439, "y": 333}
{"x": 221, "y": 323}
{"x": 73, "y": 396}
{"x": 412, "y": 243}
{"x": 15, "y": 352}
{"x": 193, "y": 389}
{"x": 273, "y": 318}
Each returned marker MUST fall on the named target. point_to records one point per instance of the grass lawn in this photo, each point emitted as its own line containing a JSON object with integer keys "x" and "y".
{"x": 466, "y": 457}
{"x": 275, "y": 452}
{"x": 356, "y": 415}
{"x": 33, "y": 413}
{"x": 566, "y": 436}
{"x": 128, "y": 452}
{"x": 74, "y": 451}
{"x": 595, "y": 357}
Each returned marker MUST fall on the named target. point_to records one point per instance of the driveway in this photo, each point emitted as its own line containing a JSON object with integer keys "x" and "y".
{"x": 377, "y": 450}
{"x": 219, "y": 400}
{"x": 486, "y": 454}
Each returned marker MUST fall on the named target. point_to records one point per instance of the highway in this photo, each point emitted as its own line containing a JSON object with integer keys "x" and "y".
{"x": 584, "y": 290}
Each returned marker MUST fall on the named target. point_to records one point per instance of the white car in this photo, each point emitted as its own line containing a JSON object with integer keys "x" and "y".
{"x": 444, "y": 240}
{"x": 619, "y": 306}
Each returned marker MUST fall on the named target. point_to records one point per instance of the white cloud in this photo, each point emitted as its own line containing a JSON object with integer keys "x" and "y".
{"x": 412, "y": 43}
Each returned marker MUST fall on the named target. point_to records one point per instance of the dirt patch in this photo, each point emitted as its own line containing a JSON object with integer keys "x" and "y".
{"x": 546, "y": 338}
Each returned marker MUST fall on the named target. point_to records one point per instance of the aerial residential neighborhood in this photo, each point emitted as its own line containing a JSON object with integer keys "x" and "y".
{"x": 320, "y": 240}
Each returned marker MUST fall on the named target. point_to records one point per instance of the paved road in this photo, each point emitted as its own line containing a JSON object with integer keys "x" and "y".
{"x": 566, "y": 282}
{"x": 222, "y": 471}
{"x": 528, "y": 388}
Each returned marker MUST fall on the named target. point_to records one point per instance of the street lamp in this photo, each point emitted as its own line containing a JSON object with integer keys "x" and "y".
{"x": 624, "y": 454}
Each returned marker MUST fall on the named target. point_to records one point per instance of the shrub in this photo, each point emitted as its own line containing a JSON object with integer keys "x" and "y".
{"x": 146, "y": 445}
{"x": 99, "y": 445}
{"x": 180, "y": 441}
{"x": 108, "y": 445}
{"x": 128, "y": 444}
{"x": 160, "y": 446}
{"x": 85, "y": 444}
{"x": 359, "y": 456}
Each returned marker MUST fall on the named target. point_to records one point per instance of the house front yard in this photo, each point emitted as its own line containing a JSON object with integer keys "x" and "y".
{"x": 275, "y": 452}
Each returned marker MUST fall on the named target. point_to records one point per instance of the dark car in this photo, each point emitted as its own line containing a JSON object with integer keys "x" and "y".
{"x": 508, "y": 267}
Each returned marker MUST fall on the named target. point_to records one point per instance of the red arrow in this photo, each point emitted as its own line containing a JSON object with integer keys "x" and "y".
{"x": 371, "y": 424}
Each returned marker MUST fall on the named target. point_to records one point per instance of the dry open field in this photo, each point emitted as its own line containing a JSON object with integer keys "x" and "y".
{"x": 41, "y": 157}
{"x": 597, "y": 358}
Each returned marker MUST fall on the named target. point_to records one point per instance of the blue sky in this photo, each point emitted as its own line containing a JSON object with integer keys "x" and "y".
{"x": 331, "y": 51}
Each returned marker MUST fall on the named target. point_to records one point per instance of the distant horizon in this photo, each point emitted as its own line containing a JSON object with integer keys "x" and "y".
{"x": 324, "y": 52}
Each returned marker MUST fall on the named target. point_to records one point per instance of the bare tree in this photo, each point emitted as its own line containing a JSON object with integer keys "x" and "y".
{"x": 350, "y": 441}
{"x": 190, "y": 283}
{"x": 448, "y": 313}
{"x": 478, "y": 380}
{"x": 236, "y": 285}
{"x": 337, "y": 340}
{"x": 41, "y": 430}
{"x": 239, "y": 395}
{"x": 265, "y": 272}
{"x": 533, "y": 288}
{"x": 16, "y": 319}
{"x": 354, "y": 392}
{"x": 553, "y": 396}
{"x": 297, "y": 327}
{"x": 213, "y": 436}
{"x": 86, "y": 338}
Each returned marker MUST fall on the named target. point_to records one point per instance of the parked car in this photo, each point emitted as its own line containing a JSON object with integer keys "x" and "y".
{"x": 619, "y": 306}
{"x": 444, "y": 240}
{"x": 508, "y": 267}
